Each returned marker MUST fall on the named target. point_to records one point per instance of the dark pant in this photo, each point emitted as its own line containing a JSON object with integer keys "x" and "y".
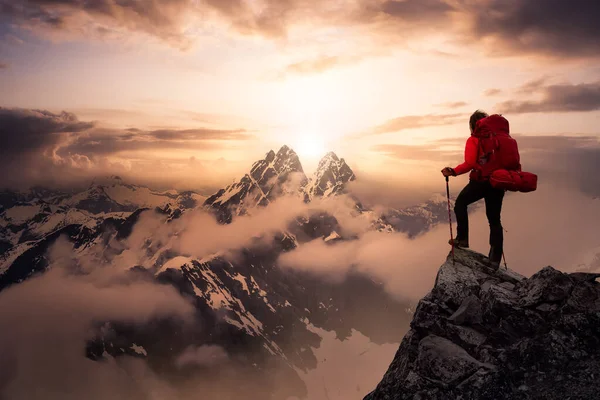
{"x": 473, "y": 192}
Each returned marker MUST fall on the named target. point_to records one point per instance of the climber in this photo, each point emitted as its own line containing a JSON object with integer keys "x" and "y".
{"x": 478, "y": 161}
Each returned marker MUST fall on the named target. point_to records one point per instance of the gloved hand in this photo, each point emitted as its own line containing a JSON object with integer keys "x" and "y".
{"x": 448, "y": 172}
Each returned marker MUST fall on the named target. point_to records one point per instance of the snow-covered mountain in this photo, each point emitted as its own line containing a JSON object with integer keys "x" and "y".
{"x": 277, "y": 174}
{"x": 29, "y": 218}
{"x": 263, "y": 316}
{"x": 330, "y": 178}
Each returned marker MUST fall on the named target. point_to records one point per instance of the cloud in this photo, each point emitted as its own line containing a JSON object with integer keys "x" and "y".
{"x": 413, "y": 9}
{"x": 566, "y": 29}
{"x": 556, "y": 98}
{"x": 408, "y": 266}
{"x": 417, "y": 121}
{"x": 3, "y": 65}
{"x": 318, "y": 65}
{"x": 52, "y": 316}
{"x": 203, "y": 356}
{"x": 180, "y": 23}
{"x": 165, "y": 20}
{"x": 559, "y": 29}
{"x": 61, "y": 149}
{"x": 492, "y": 92}
{"x": 453, "y": 104}
{"x": 23, "y": 131}
{"x": 108, "y": 141}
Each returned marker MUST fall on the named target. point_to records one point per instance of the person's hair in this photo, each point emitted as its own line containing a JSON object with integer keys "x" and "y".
{"x": 476, "y": 116}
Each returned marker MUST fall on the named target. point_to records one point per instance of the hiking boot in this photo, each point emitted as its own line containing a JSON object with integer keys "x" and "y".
{"x": 459, "y": 243}
{"x": 495, "y": 265}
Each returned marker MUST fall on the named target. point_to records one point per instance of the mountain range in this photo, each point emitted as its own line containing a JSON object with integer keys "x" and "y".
{"x": 262, "y": 315}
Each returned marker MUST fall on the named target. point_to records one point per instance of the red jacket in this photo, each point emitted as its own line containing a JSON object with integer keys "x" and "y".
{"x": 471, "y": 157}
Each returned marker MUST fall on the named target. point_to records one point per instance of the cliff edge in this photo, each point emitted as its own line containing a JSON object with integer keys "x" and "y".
{"x": 482, "y": 334}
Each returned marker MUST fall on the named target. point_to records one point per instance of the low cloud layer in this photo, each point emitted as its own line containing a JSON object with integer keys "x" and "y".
{"x": 48, "y": 319}
{"x": 552, "y": 226}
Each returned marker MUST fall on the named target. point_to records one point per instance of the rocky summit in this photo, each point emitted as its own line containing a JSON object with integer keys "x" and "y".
{"x": 483, "y": 334}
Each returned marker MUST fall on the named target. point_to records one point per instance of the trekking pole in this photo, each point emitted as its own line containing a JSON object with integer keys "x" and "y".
{"x": 450, "y": 217}
{"x": 504, "y": 255}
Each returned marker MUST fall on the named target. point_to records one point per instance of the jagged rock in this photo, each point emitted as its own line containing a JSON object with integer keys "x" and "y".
{"x": 441, "y": 360}
{"x": 483, "y": 334}
{"x": 469, "y": 312}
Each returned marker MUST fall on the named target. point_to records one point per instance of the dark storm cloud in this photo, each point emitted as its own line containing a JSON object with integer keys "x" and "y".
{"x": 556, "y": 98}
{"x": 38, "y": 145}
{"x": 417, "y": 121}
{"x": 30, "y": 130}
{"x": 105, "y": 141}
{"x": 553, "y": 27}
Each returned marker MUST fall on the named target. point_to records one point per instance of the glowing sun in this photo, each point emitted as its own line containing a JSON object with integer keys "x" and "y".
{"x": 310, "y": 146}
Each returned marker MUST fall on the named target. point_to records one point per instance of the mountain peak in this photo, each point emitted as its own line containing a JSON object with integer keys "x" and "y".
{"x": 268, "y": 179}
{"x": 476, "y": 333}
{"x": 330, "y": 156}
{"x": 284, "y": 150}
{"x": 330, "y": 178}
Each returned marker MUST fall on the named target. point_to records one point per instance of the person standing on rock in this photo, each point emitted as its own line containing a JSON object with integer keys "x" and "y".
{"x": 478, "y": 162}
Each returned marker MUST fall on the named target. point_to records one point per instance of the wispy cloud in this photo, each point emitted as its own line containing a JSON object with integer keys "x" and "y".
{"x": 492, "y": 92}
{"x": 318, "y": 65}
{"x": 453, "y": 104}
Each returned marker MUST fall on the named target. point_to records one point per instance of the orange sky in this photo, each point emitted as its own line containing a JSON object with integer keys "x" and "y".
{"x": 379, "y": 82}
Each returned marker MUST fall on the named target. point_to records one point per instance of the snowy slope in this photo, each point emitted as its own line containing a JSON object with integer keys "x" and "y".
{"x": 330, "y": 178}
{"x": 115, "y": 195}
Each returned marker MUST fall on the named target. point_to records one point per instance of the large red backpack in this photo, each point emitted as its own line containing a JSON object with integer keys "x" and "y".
{"x": 499, "y": 159}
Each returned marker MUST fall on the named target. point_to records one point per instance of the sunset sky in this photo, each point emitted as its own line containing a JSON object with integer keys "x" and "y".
{"x": 191, "y": 92}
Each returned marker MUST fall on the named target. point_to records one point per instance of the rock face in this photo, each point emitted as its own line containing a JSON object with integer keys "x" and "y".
{"x": 481, "y": 334}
